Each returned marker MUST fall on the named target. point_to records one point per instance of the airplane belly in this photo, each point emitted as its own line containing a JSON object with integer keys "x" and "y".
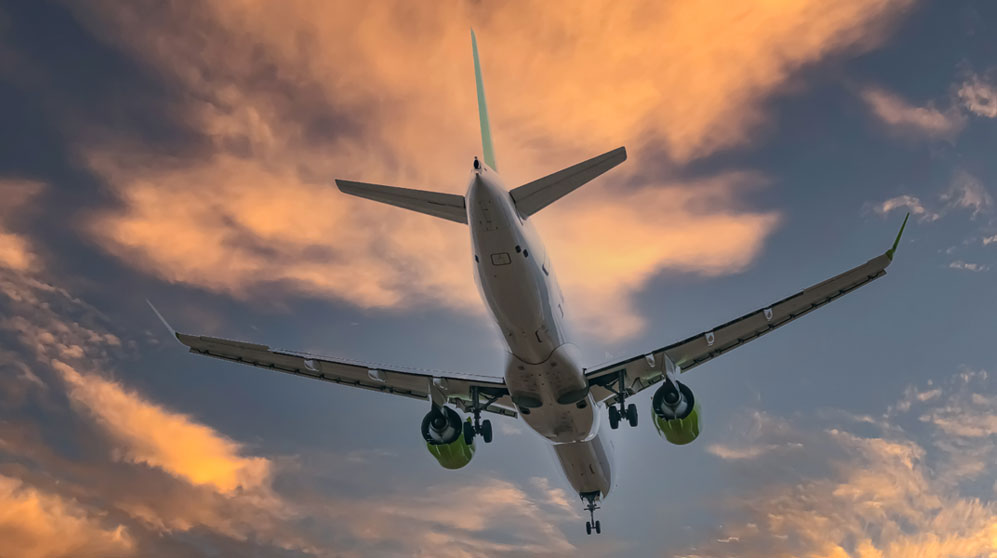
{"x": 514, "y": 297}
{"x": 587, "y": 465}
{"x": 552, "y": 397}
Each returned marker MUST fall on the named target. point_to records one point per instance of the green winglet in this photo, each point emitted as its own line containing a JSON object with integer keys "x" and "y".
{"x": 486, "y": 130}
{"x": 891, "y": 251}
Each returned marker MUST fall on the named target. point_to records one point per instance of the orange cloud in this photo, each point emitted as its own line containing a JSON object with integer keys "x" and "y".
{"x": 150, "y": 434}
{"x": 37, "y": 524}
{"x": 605, "y": 252}
{"x": 886, "y": 496}
{"x": 16, "y": 252}
{"x": 162, "y": 473}
{"x": 290, "y": 96}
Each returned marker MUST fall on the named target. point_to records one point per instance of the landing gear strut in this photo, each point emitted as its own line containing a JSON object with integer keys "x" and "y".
{"x": 591, "y": 507}
{"x": 479, "y": 427}
{"x": 617, "y": 385}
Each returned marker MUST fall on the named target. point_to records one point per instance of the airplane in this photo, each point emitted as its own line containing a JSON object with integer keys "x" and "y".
{"x": 545, "y": 382}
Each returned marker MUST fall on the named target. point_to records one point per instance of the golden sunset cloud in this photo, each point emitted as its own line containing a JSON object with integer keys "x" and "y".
{"x": 150, "y": 434}
{"x": 36, "y": 524}
{"x": 886, "y": 495}
{"x": 16, "y": 251}
{"x": 289, "y": 96}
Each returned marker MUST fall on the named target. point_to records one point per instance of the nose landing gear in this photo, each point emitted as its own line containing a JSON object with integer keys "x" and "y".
{"x": 592, "y": 523}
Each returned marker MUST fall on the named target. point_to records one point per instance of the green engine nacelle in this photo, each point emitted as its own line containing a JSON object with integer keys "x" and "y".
{"x": 681, "y": 428}
{"x": 454, "y": 455}
{"x": 444, "y": 437}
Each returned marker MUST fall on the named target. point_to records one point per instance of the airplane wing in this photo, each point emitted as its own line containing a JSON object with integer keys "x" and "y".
{"x": 648, "y": 369}
{"x": 441, "y": 387}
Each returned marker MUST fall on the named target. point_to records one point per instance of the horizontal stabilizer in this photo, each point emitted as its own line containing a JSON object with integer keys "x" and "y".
{"x": 538, "y": 194}
{"x": 437, "y": 204}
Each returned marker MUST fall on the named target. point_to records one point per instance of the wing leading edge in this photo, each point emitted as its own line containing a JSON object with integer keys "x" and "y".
{"x": 647, "y": 369}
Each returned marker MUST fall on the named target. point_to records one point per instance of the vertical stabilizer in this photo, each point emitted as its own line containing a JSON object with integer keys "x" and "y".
{"x": 486, "y": 130}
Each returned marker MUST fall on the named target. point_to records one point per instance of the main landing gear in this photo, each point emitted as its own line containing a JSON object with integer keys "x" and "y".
{"x": 479, "y": 427}
{"x": 591, "y": 507}
{"x": 624, "y": 411}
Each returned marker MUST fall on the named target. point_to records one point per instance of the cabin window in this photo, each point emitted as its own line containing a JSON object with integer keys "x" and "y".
{"x": 518, "y": 249}
{"x": 526, "y": 253}
{"x": 476, "y": 258}
{"x": 544, "y": 267}
{"x": 501, "y": 258}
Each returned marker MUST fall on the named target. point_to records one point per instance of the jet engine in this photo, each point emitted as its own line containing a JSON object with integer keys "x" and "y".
{"x": 443, "y": 431}
{"x": 676, "y": 412}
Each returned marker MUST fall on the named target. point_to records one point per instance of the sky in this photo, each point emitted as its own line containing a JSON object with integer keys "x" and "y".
{"x": 185, "y": 153}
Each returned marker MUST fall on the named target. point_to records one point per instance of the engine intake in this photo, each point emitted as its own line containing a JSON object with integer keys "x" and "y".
{"x": 676, "y": 413}
{"x": 443, "y": 431}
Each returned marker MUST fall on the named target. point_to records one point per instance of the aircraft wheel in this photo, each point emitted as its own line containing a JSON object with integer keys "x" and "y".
{"x": 614, "y": 418}
{"x": 632, "y": 414}
{"x": 598, "y": 527}
{"x": 486, "y": 431}
{"x": 588, "y": 528}
{"x": 468, "y": 433}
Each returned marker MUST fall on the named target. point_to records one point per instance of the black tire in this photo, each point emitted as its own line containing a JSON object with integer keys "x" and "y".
{"x": 468, "y": 433}
{"x": 632, "y": 415}
{"x": 614, "y": 418}
{"x": 486, "y": 431}
{"x": 598, "y": 528}
{"x": 588, "y": 528}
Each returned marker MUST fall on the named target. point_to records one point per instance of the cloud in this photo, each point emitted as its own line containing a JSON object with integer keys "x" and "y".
{"x": 968, "y": 266}
{"x": 742, "y": 452}
{"x": 903, "y": 117}
{"x": 489, "y": 517}
{"x": 964, "y": 192}
{"x": 155, "y": 471}
{"x": 37, "y": 524}
{"x": 911, "y": 203}
{"x": 979, "y": 96}
{"x": 253, "y": 208}
{"x": 967, "y": 192}
{"x": 891, "y": 492}
{"x": 139, "y": 479}
{"x": 988, "y": 240}
{"x": 16, "y": 251}
{"x": 758, "y": 434}
{"x": 150, "y": 434}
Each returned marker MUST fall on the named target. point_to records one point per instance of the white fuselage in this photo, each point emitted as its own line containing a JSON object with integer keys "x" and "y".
{"x": 544, "y": 373}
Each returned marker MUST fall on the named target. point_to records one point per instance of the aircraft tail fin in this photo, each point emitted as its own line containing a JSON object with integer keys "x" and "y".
{"x": 445, "y": 206}
{"x": 488, "y": 150}
{"x": 536, "y": 195}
